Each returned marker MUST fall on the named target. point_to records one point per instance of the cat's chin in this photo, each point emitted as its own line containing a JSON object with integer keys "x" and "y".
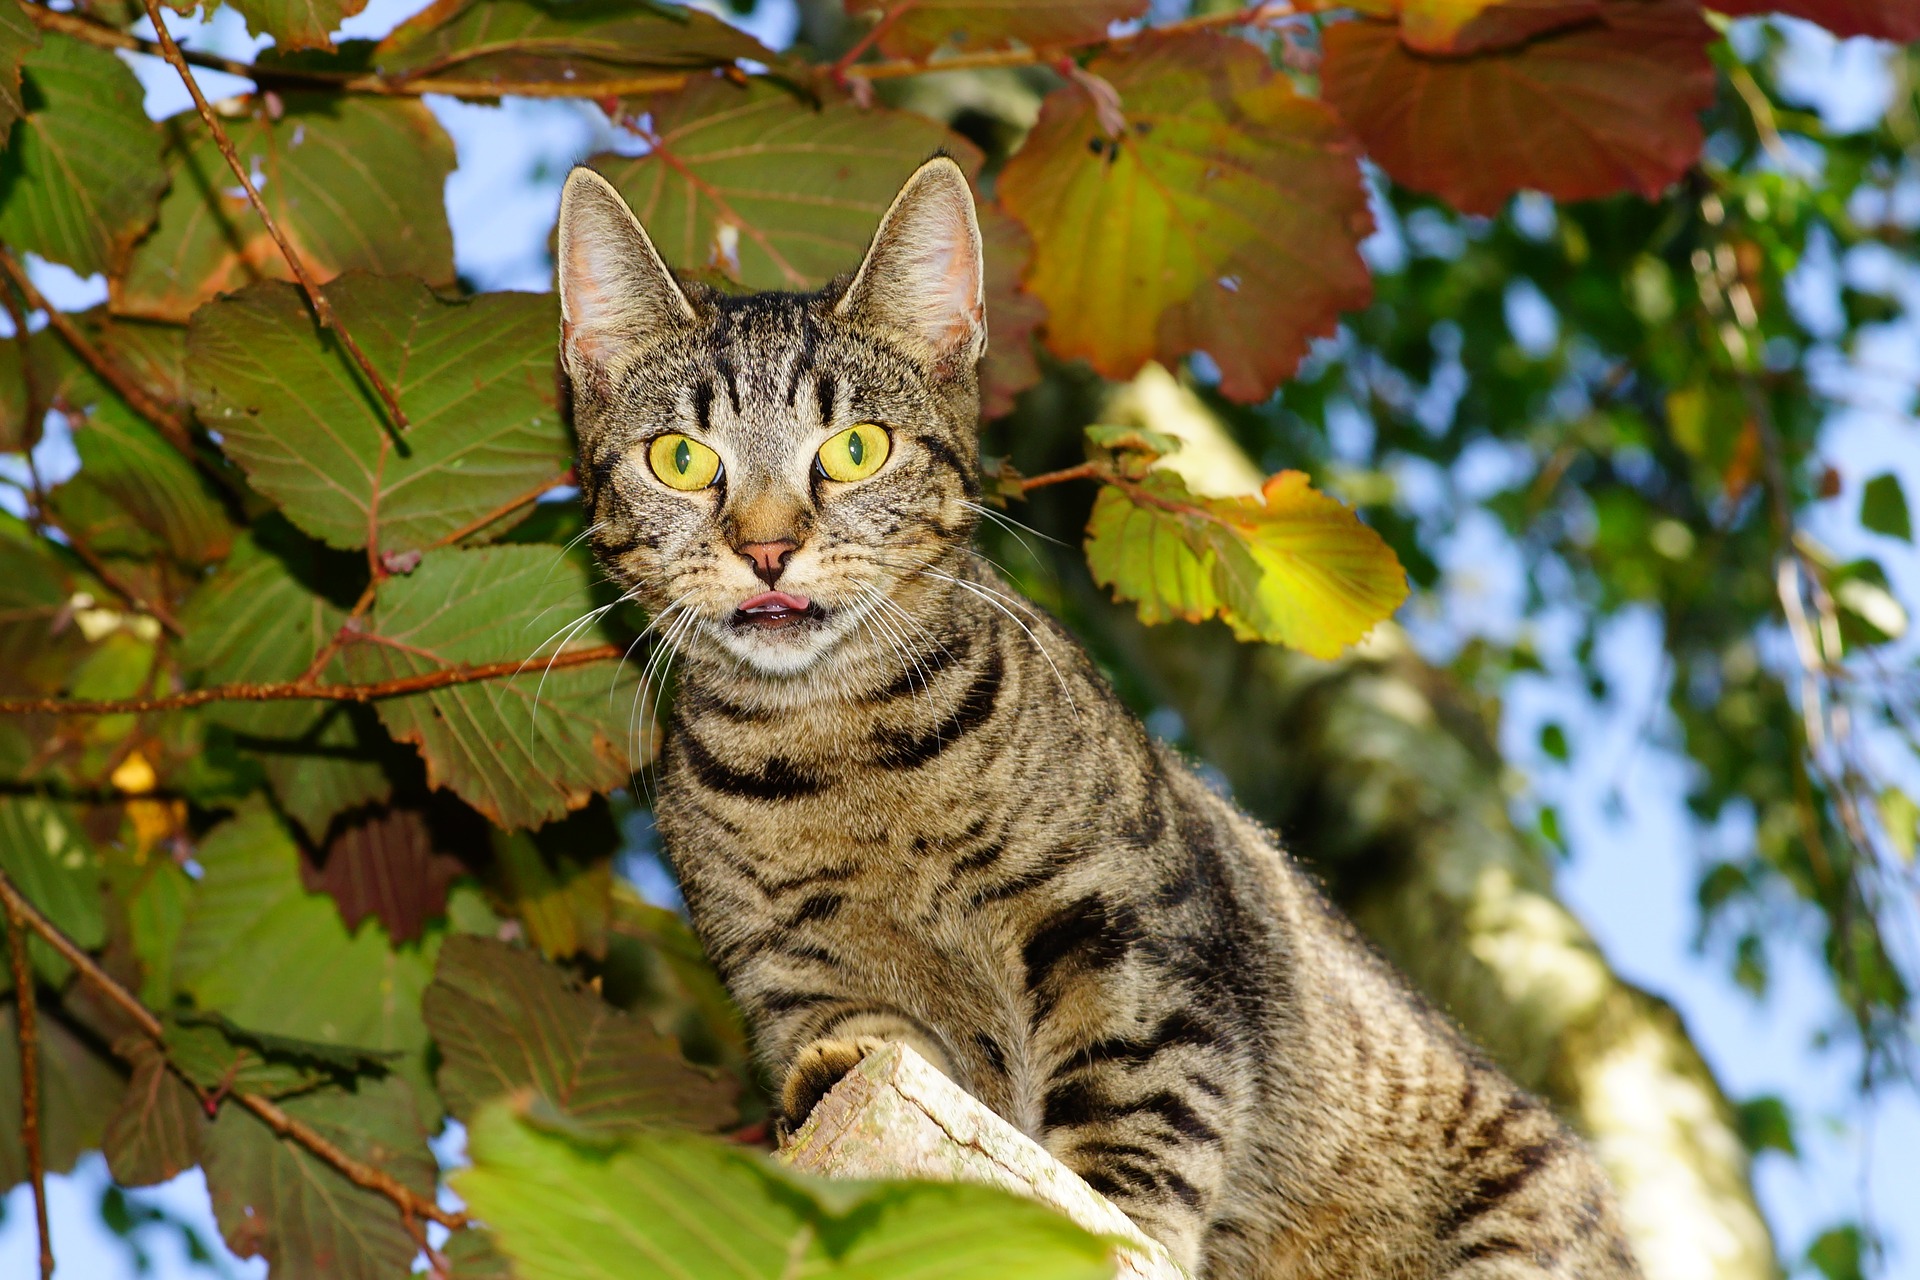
{"x": 786, "y": 645}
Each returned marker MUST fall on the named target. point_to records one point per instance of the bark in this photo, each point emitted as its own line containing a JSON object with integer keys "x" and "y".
{"x": 896, "y": 1116}
{"x": 1379, "y": 770}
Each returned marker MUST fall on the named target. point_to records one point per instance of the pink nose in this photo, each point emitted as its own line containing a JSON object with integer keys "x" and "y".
{"x": 768, "y": 558}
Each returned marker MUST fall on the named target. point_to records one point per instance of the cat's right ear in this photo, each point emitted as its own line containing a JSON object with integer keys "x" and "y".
{"x": 615, "y": 292}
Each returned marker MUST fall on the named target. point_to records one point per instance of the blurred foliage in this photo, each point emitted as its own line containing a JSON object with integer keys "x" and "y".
{"x": 373, "y": 881}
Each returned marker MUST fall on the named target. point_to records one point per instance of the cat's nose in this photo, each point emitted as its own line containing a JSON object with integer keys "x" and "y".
{"x": 768, "y": 558}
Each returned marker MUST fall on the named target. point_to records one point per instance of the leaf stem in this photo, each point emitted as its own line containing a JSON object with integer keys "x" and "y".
{"x": 27, "y": 1025}
{"x": 322, "y": 309}
{"x": 1085, "y": 471}
{"x": 109, "y": 578}
{"x": 22, "y": 913}
{"x": 138, "y": 398}
{"x": 298, "y": 690}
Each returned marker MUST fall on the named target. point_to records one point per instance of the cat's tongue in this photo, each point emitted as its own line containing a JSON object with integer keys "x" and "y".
{"x": 775, "y": 602}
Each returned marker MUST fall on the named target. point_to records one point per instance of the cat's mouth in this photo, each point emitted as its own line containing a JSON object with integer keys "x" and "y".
{"x": 772, "y": 610}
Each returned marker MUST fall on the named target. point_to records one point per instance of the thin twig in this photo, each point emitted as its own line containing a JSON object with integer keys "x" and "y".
{"x": 26, "y": 1024}
{"x": 138, "y": 398}
{"x": 410, "y": 1202}
{"x": 506, "y": 508}
{"x": 1085, "y": 471}
{"x": 322, "y": 309}
{"x": 301, "y": 690}
{"x": 109, "y": 577}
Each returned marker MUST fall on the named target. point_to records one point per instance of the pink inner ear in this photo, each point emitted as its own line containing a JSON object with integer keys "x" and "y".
{"x": 589, "y": 326}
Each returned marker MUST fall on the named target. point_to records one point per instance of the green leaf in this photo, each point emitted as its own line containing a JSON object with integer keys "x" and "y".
{"x": 656, "y": 966}
{"x": 273, "y": 1200}
{"x": 297, "y": 24}
{"x": 355, "y": 182}
{"x": 129, "y": 465}
{"x": 1553, "y": 741}
{"x": 753, "y": 184}
{"x": 921, "y": 28}
{"x": 19, "y": 37}
{"x": 669, "y": 1204}
{"x": 1292, "y": 566}
{"x": 1767, "y": 1125}
{"x": 1839, "y": 1253}
{"x": 1883, "y": 507}
{"x": 505, "y": 1021}
{"x": 1900, "y": 819}
{"x": 83, "y": 174}
{"x": 215, "y": 1052}
{"x": 159, "y": 1129}
{"x": 558, "y": 881}
{"x": 79, "y": 1085}
{"x": 526, "y": 748}
{"x": 472, "y": 1255}
{"x": 44, "y": 853}
{"x": 259, "y": 949}
{"x": 262, "y": 619}
{"x": 475, "y": 378}
{"x": 507, "y": 42}
{"x": 1226, "y": 217}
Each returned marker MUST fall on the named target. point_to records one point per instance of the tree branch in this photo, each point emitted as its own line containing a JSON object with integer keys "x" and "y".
{"x": 106, "y": 573}
{"x": 302, "y": 690}
{"x": 27, "y": 1026}
{"x": 322, "y": 309}
{"x": 138, "y": 398}
{"x": 23, "y": 914}
{"x": 506, "y": 508}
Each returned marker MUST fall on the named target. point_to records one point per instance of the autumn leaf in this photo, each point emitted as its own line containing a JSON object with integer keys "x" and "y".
{"x": 1469, "y": 26}
{"x": 921, "y": 28}
{"x": 1226, "y": 218}
{"x": 293, "y": 24}
{"x": 1582, "y": 112}
{"x": 1896, "y": 20}
{"x": 1291, "y": 566}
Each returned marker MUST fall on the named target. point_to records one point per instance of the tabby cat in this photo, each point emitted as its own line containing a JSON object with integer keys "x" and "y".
{"x": 904, "y": 806}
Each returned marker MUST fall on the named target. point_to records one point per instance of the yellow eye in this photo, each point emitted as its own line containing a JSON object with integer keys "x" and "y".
{"x": 683, "y": 463}
{"x": 855, "y": 453}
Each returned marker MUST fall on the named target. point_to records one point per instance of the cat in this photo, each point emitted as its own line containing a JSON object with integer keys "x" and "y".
{"x": 903, "y": 805}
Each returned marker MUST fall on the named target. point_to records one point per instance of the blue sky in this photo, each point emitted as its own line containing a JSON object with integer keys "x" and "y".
{"x": 1631, "y": 872}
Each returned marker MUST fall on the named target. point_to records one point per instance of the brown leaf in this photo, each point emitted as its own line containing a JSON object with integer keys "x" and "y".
{"x": 1580, "y": 113}
{"x": 922, "y": 27}
{"x": 159, "y": 1128}
{"x": 1897, "y": 20}
{"x": 394, "y": 863}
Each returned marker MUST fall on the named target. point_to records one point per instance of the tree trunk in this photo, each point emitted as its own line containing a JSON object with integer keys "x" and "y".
{"x": 1378, "y": 770}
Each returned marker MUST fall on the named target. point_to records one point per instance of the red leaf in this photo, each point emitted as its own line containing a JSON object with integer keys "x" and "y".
{"x": 1012, "y": 313}
{"x": 1881, "y": 19}
{"x": 1226, "y": 217}
{"x": 391, "y": 863}
{"x": 1588, "y": 111}
{"x": 1469, "y": 26}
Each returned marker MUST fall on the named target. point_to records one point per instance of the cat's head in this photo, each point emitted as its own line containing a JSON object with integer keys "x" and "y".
{"x": 762, "y": 471}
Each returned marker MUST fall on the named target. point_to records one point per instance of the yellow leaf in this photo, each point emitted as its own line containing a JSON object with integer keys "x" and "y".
{"x": 1291, "y": 566}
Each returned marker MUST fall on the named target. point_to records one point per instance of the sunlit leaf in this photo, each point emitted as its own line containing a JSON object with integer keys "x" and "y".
{"x": 509, "y": 42}
{"x": 1883, "y": 507}
{"x": 19, "y": 37}
{"x": 1467, "y": 26}
{"x": 1013, "y": 314}
{"x": 355, "y": 182}
{"x": 523, "y": 749}
{"x": 297, "y": 24}
{"x": 475, "y": 378}
{"x": 758, "y": 186}
{"x": 1227, "y": 218}
{"x": 82, "y": 173}
{"x": 558, "y": 881}
{"x": 919, "y": 28}
{"x": 666, "y": 1204}
{"x": 275, "y": 1200}
{"x": 1900, "y": 819}
{"x": 260, "y": 949}
{"x": 1297, "y": 568}
{"x": 505, "y": 1021}
{"x": 1586, "y": 111}
{"x": 262, "y": 619}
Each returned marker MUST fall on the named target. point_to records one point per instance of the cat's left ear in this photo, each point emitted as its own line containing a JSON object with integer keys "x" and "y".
{"x": 924, "y": 276}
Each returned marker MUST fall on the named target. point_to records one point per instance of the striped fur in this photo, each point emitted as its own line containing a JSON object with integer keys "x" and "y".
{"x": 925, "y": 817}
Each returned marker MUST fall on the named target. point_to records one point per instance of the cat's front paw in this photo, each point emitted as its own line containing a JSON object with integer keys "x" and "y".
{"x": 816, "y": 1070}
